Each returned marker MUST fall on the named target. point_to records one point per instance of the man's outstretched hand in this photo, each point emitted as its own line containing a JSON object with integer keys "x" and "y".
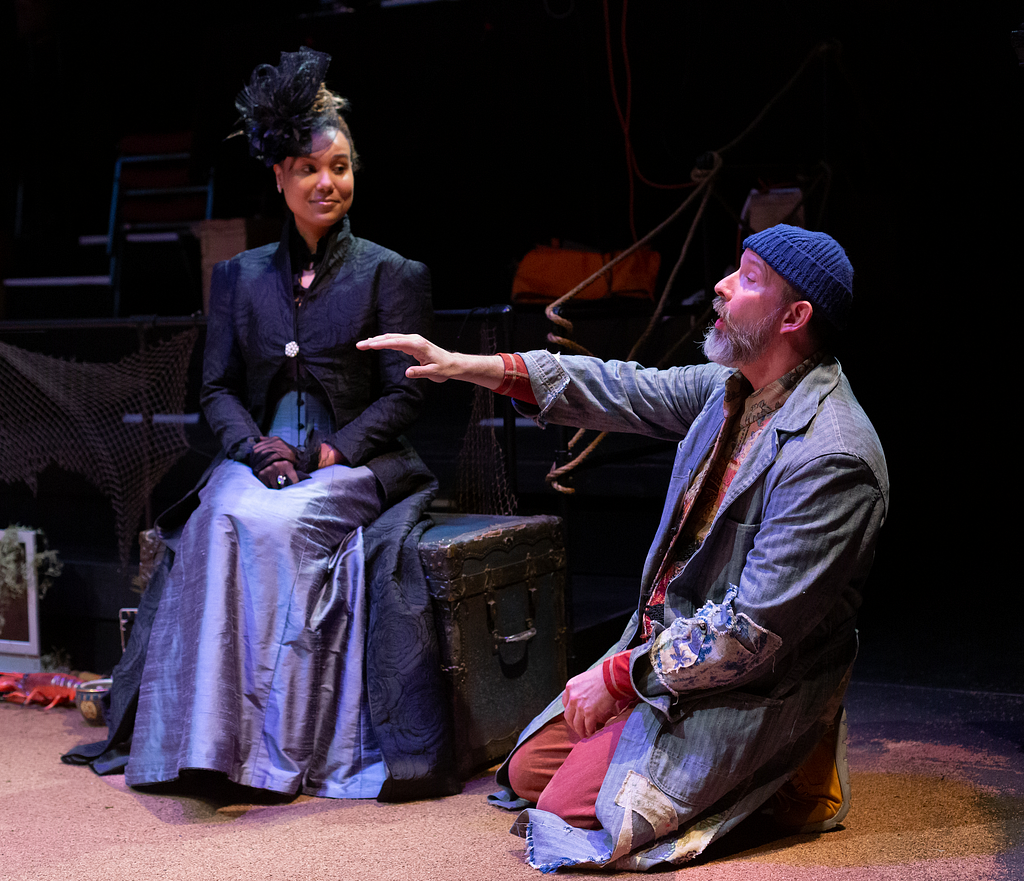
{"x": 438, "y": 364}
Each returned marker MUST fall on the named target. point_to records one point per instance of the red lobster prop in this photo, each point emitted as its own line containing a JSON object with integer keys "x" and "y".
{"x": 39, "y": 688}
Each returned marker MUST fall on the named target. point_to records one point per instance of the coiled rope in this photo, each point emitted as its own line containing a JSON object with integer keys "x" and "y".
{"x": 703, "y": 178}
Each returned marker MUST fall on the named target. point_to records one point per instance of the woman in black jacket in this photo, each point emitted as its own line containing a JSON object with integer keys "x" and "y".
{"x": 293, "y": 647}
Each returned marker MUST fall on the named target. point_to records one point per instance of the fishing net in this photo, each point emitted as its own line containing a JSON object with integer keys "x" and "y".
{"x": 118, "y": 425}
{"x": 482, "y": 481}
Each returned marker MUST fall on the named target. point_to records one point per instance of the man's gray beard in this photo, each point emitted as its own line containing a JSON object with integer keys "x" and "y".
{"x": 738, "y": 346}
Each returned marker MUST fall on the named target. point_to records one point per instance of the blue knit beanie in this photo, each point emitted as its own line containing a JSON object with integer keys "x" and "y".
{"x": 813, "y": 263}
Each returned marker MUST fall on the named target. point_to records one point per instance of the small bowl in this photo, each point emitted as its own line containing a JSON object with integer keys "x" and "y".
{"x": 89, "y": 700}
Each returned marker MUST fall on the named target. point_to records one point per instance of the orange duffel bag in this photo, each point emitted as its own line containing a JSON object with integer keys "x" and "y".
{"x": 548, "y": 272}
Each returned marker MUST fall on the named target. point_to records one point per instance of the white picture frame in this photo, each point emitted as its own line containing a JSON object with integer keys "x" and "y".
{"x": 25, "y": 652}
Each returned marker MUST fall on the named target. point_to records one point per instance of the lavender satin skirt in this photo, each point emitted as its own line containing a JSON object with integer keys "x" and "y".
{"x": 256, "y": 660}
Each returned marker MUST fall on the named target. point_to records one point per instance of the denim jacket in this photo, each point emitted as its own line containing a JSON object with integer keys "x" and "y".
{"x": 759, "y": 633}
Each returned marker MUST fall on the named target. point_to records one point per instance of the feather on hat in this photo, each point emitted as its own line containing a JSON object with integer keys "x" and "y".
{"x": 283, "y": 108}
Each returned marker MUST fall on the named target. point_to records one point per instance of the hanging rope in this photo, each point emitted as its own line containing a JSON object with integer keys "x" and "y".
{"x": 703, "y": 179}
{"x": 625, "y": 115}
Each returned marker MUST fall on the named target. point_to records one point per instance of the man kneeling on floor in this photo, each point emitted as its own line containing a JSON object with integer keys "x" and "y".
{"x": 724, "y": 693}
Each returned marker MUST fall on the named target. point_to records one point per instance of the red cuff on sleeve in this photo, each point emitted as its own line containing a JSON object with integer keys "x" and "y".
{"x": 616, "y": 677}
{"x": 516, "y": 382}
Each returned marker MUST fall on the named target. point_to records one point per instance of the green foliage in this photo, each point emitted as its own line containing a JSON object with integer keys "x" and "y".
{"x": 13, "y": 581}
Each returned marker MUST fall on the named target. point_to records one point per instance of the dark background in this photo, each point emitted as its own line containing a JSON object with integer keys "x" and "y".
{"x": 486, "y": 127}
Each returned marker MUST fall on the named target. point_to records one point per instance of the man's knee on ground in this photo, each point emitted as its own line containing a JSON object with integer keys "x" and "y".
{"x": 523, "y": 776}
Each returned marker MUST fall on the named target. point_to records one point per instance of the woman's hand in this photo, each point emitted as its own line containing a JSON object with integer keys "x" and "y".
{"x": 589, "y": 704}
{"x": 272, "y": 449}
{"x": 439, "y": 364}
{"x": 277, "y": 463}
{"x": 278, "y": 475}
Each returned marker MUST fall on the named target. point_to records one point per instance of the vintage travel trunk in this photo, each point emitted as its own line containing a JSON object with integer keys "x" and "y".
{"x": 498, "y": 589}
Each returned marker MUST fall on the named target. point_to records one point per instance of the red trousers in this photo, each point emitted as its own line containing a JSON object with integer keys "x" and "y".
{"x": 563, "y": 773}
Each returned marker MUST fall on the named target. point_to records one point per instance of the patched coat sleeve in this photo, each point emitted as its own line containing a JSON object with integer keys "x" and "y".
{"x": 800, "y": 574}
{"x": 715, "y": 648}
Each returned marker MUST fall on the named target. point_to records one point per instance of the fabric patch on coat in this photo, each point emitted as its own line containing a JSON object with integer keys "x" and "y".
{"x": 638, "y": 795}
{"x": 552, "y": 844}
{"x": 678, "y": 849}
{"x": 713, "y": 648}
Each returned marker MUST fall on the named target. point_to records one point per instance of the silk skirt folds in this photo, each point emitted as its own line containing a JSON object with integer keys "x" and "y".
{"x": 256, "y": 660}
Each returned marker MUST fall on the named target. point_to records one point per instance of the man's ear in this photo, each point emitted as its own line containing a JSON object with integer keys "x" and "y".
{"x": 796, "y": 316}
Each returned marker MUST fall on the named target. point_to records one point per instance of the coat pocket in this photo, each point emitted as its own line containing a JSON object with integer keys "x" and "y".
{"x": 716, "y": 744}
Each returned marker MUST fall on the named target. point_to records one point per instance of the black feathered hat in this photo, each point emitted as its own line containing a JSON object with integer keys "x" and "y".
{"x": 285, "y": 107}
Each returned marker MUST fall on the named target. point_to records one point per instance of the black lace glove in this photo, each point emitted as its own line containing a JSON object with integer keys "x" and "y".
{"x": 279, "y": 474}
{"x": 268, "y": 450}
